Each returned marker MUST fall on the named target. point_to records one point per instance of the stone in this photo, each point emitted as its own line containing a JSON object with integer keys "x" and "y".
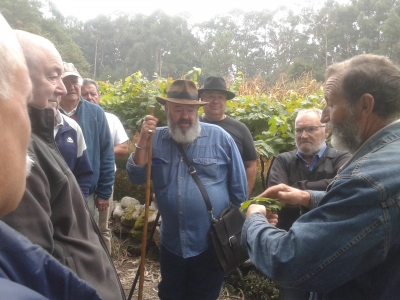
{"x": 118, "y": 212}
{"x": 128, "y": 202}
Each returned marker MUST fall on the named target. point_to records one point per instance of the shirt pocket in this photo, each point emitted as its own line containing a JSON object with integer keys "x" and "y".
{"x": 160, "y": 172}
{"x": 207, "y": 169}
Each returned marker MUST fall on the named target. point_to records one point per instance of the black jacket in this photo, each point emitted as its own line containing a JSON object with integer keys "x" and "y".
{"x": 54, "y": 214}
{"x": 289, "y": 169}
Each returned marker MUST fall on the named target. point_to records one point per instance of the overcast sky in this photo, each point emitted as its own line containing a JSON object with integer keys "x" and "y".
{"x": 203, "y": 11}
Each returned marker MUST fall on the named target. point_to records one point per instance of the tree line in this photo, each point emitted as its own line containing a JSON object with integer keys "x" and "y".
{"x": 258, "y": 44}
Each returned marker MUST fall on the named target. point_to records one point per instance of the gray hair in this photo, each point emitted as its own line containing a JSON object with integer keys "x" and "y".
{"x": 316, "y": 111}
{"x": 11, "y": 58}
{"x": 88, "y": 81}
{"x": 369, "y": 74}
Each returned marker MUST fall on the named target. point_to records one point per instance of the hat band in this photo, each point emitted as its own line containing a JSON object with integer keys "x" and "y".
{"x": 183, "y": 95}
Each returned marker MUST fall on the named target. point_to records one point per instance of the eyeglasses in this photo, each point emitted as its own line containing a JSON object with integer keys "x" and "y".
{"x": 309, "y": 129}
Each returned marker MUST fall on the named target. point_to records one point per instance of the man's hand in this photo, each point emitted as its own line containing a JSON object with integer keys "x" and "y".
{"x": 102, "y": 204}
{"x": 287, "y": 194}
{"x": 271, "y": 217}
{"x": 148, "y": 127}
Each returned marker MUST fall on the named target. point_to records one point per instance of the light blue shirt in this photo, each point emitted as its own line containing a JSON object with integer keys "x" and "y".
{"x": 315, "y": 158}
{"x": 185, "y": 220}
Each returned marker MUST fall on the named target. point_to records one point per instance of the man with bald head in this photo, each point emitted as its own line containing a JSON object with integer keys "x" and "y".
{"x": 52, "y": 212}
{"x": 26, "y": 270}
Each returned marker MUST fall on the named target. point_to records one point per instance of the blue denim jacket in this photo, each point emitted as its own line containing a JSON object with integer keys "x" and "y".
{"x": 185, "y": 220}
{"x": 348, "y": 245}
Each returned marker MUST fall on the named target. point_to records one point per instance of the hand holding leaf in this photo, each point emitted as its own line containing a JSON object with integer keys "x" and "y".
{"x": 269, "y": 203}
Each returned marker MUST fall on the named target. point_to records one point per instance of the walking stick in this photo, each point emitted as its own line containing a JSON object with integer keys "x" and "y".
{"x": 147, "y": 248}
{"x": 146, "y": 212}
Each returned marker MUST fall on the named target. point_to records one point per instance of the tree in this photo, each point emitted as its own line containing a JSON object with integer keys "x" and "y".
{"x": 29, "y": 16}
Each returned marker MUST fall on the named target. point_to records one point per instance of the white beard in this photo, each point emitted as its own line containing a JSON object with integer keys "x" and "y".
{"x": 184, "y": 137}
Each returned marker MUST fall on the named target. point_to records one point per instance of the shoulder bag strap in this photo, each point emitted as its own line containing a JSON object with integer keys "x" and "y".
{"x": 196, "y": 179}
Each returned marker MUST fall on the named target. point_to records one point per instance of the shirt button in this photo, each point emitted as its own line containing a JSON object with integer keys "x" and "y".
{"x": 183, "y": 231}
{"x": 179, "y": 195}
{"x": 181, "y": 213}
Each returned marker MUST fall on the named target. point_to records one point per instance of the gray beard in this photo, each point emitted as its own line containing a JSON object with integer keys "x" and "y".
{"x": 345, "y": 136}
{"x": 313, "y": 150}
{"x": 184, "y": 137}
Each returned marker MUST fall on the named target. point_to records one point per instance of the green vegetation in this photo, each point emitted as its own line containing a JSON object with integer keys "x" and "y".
{"x": 273, "y": 60}
{"x": 268, "y": 113}
{"x": 269, "y": 203}
{"x": 253, "y": 286}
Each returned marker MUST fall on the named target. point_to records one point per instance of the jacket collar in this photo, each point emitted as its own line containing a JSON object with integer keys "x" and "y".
{"x": 42, "y": 122}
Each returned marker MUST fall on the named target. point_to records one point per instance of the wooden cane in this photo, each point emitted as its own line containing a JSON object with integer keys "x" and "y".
{"x": 146, "y": 211}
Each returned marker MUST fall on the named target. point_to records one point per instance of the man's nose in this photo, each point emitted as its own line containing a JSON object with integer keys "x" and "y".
{"x": 304, "y": 133}
{"x": 325, "y": 115}
{"x": 61, "y": 89}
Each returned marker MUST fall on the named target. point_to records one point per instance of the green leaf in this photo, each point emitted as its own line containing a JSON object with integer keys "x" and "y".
{"x": 269, "y": 203}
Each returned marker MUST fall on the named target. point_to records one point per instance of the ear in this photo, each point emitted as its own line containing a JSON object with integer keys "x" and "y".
{"x": 367, "y": 103}
{"x": 327, "y": 132}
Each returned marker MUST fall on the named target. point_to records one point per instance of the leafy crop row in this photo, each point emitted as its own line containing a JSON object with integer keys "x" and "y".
{"x": 268, "y": 111}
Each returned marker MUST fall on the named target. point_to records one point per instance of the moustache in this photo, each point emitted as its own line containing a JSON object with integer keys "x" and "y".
{"x": 185, "y": 122}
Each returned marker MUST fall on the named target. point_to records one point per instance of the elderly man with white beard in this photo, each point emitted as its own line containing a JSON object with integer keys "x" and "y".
{"x": 348, "y": 245}
{"x": 311, "y": 166}
{"x": 188, "y": 268}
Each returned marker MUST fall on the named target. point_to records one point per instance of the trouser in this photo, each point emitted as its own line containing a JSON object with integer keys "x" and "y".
{"x": 104, "y": 216}
{"x": 92, "y": 207}
{"x": 101, "y": 218}
{"x": 294, "y": 294}
{"x": 194, "y": 278}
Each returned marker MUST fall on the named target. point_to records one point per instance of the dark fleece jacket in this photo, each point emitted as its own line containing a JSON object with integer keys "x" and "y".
{"x": 54, "y": 214}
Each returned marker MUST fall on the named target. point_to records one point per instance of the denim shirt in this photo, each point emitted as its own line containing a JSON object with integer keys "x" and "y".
{"x": 348, "y": 245}
{"x": 185, "y": 220}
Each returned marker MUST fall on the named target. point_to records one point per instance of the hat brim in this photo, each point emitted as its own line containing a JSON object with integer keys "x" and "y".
{"x": 229, "y": 95}
{"x": 180, "y": 101}
{"x": 66, "y": 74}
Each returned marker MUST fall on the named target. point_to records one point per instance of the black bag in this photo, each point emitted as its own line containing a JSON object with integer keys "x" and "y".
{"x": 225, "y": 232}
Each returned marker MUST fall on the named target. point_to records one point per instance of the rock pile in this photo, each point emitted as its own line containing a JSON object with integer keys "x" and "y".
{"x": 128, "y": 216}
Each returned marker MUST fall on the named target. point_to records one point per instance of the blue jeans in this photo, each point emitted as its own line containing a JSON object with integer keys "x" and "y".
{"x": 193, "y": 278}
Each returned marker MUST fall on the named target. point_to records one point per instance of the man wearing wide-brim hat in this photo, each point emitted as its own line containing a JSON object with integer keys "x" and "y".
{"x": 188, "y": 268}
{"x": 216, "y": 94}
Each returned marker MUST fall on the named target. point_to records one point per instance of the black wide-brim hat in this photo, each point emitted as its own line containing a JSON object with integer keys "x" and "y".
{"x": 182, "y": 92}
{"x": 216, "y": 84}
